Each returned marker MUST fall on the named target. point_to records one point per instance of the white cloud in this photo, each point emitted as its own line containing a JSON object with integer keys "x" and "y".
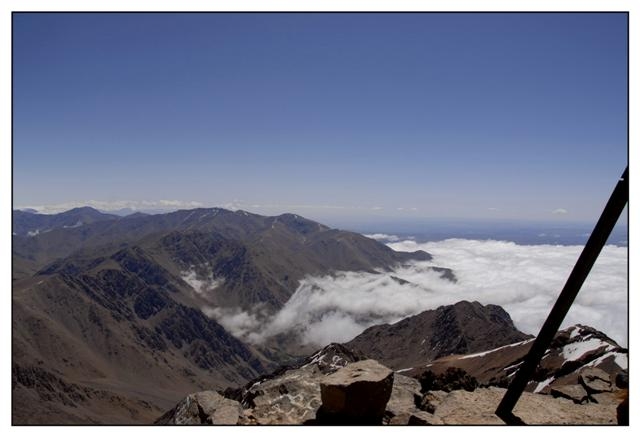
{"x": 525, "y": 280}
{"x": 559, "y": 211}
{"x": 383, "y": 237}
{"x": 175, "y": 203}
{"x": 239, "y": 323}
{"x": 204, "y": 286}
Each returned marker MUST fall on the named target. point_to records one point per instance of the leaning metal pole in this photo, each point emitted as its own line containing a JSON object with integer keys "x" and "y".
{"x": 596, "y": 242}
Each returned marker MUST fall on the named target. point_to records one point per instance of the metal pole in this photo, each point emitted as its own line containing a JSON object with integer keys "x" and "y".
{"x": 596, "y": 242}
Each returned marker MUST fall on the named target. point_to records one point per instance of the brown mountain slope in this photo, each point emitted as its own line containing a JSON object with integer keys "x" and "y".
{"x": 452, "y": 329}
{"x": 115, "y": 331}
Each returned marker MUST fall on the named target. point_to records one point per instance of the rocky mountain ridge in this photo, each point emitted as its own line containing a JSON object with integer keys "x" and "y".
{"x": 338, "y": 386}
{"x": 572, "y": 350}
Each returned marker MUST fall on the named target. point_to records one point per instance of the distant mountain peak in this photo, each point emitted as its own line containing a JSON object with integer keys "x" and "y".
{"x": 88, "y": 209}
{"x": 464, "y": 327}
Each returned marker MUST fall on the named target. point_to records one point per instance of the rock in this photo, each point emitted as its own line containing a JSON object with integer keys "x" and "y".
{"x": 291, "y": 398}
{"x": 430, "y": 400}
{"x": 622, "y": 411}
{"x": 424, "y": 403}
{"x": 622, "y": 379}
{"x": 574, "y": 392}
{"x": 205, "y": 407}
{"x": 356, "y": 394}
{"x": 403, "y": 395}
{"x": 422, "y": 418}
{"x": 400, "y": 419}
{"x": 415, "y": 418}
{"x": 595, "y": 380}
{"x": 478, "y": 408}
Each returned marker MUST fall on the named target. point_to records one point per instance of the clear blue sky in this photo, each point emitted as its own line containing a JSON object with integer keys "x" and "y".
{"x": 353, "y": 115}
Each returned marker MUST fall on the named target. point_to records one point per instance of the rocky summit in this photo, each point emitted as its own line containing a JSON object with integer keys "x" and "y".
{"x": 348, "y": 389}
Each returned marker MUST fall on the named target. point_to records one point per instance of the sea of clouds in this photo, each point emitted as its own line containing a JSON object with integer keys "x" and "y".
{"x": 524, "y": 279}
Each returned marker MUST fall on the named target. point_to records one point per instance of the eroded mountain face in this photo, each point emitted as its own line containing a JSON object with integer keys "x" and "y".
{"x": 107, "y": 311}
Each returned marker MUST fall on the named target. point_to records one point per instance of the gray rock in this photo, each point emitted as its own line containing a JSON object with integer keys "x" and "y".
{"x": 356, "y": 394}
{"x": 403, "y": 395}
{"x": 292, "y": 398}
{"x": 574, "y": 392}
{"x": 205, "y": 407}
{"x": 595, "y": 380}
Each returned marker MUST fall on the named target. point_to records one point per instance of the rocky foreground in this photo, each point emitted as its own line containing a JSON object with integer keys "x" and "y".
{"x": 337, "y": 386}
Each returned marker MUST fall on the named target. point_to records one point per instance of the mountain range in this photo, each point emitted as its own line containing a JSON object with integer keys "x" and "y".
{"x": 111, "y": 324}
{"x": 107, "y": 311}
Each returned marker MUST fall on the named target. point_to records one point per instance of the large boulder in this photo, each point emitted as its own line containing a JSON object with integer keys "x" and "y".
{"x": 356, "y": 394}
{"x": 574, "y": 392}
{"x": 205, "y": 407}
{"x": 595, "y": 380}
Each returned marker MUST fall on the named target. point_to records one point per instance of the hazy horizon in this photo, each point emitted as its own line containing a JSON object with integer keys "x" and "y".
{"x": 390, "y": 229}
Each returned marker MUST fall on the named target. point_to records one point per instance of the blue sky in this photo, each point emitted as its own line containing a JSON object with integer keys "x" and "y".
{"x": 336, "y": 117}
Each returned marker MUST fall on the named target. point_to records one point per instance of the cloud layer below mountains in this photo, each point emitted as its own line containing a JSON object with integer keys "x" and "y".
{"x": 525, "y": 280}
